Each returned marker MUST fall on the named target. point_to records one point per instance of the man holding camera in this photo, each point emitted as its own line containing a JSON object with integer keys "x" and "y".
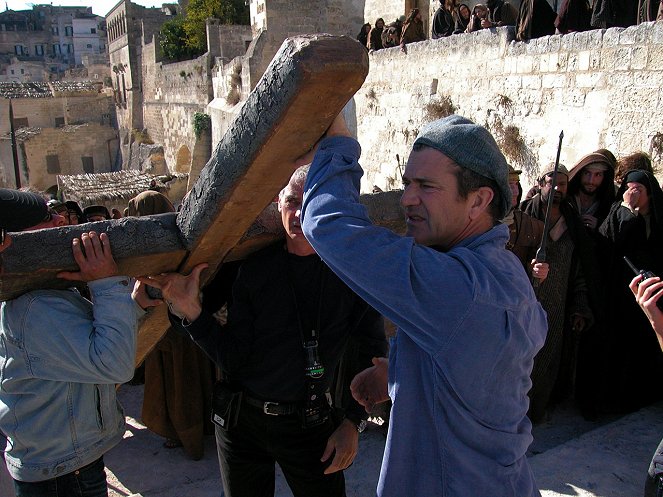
{"x": 288, "y": 324}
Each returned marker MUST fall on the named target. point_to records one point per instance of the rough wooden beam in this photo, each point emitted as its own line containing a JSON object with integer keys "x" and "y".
{"x": 140, "y": 246}
{"x": 383, "y": 209}
{"x": 160, "y": 243}
{"x": 306, "y": 85}
{"x": 304, "y": 88}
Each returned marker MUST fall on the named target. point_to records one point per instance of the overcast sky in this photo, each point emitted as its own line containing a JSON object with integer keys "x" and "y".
{"x": 99, "y": 7}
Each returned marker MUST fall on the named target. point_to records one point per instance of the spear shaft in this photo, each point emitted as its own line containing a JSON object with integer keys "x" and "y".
{"x": 541, "y": 252}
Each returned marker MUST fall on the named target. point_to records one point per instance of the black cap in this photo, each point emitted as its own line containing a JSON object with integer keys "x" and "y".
{"x": 96, "y": 210}
{"x": 72, "y": 205}
{"x": 21, "y": 210}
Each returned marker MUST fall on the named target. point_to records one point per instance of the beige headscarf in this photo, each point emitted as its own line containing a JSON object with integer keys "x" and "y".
{"x": 149, "y": 202}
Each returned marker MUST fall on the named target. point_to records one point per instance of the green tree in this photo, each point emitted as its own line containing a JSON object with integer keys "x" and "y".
{"x": 227, "y": 11}
{"x": 173, "y": 40}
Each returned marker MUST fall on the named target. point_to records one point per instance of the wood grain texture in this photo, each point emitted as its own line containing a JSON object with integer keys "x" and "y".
{"x": 306, "y": 85}
{"x": 140, "y": 246}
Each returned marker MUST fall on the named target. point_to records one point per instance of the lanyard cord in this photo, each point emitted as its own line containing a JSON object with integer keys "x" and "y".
{"x": 313, "y": 335}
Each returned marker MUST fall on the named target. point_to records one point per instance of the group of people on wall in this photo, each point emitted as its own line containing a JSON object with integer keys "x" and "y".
{"x": 533, "y": 19}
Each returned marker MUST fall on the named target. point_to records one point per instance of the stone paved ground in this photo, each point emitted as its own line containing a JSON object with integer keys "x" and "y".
{"x": 569, "y": 457}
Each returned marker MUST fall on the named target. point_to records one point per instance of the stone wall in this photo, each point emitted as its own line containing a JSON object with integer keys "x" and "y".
{"x": 51, "y": 112}
{"x": 225, "y": 42}
{"x": 172, "y": 94}
{"x": 601, "y": 87}
{"x": 92, "y": 145}
{"x": 275, "y": 20}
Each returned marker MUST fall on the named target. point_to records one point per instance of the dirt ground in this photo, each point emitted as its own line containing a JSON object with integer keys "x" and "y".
{"x": 569, "y": 457}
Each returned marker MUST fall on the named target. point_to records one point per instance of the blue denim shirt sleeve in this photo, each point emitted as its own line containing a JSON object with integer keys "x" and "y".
{"x": 399, "y": 278}
{"x": 66, "y": 338}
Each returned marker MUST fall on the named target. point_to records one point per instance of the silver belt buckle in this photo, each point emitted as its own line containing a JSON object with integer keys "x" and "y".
{"x": 265, "y": 408}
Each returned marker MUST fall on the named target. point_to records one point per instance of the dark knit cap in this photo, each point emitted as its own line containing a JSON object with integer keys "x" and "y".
{"x": 471, "y": 147}
{"x": 21, "y": 210}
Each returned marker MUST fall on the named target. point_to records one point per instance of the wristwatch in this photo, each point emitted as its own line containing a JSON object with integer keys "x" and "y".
{"x": 359, "y": 423}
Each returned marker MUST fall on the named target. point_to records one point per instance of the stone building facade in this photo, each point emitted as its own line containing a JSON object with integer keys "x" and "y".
{"x": 66, "y": 127}
{"x": 55, "y": 37}
{"x": 160, "y": 97}
{"x": 44, "y": 153}
{"x": 601, "y": 87}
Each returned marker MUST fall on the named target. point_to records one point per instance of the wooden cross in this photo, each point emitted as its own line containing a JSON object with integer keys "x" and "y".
{"x": 306, "y": 85}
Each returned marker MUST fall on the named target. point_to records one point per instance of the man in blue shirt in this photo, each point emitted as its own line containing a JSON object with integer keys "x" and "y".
{"x": 468, "y": 321}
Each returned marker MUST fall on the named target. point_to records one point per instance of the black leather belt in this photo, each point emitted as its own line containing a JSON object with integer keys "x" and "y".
{"x": 273, "y": 408}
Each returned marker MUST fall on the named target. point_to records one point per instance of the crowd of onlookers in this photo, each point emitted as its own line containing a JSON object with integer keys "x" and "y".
{"x": 599, "y": 348}
{"x": 73, "y": 213}
{"x": 534, "y": 19}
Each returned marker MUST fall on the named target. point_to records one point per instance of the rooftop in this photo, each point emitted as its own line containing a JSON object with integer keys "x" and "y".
{"x": 46, "y": 90}
{"x": 88, "y": 189}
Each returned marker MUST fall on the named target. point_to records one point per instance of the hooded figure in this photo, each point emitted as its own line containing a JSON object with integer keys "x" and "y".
{"x": 148, "y": 203}
{"x": 178, "y": 375}
{"x": 570, "y": 295}
{"x": 375, "y": 36}
{"x": 634, "y": 228}
{"x": 600, "y": 197}
{"x": 362, "y": 37}
{"x": 443, "y": 20}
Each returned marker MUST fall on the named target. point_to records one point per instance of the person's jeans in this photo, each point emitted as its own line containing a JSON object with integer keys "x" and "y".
{"x": 88, "y": 481}
{"x": 654, "y": 484}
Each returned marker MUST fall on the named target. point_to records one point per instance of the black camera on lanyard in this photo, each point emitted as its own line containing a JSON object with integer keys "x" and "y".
{"x": 316, "y": 408}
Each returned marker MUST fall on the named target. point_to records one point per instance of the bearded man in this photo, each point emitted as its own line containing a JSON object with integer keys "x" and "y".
{"x": 564, "y": 294}
{"x": 591, "y": 190}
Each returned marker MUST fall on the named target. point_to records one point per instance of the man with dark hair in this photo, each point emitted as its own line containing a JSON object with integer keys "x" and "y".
{"x": 565, "y": 295}
{"x": 501, "y": 13}
{"x": 288, "y": 324}
{"x": 468, "y": 322}
{"x": 375, "y": 35}
{"x": 591, "y": 190}
{"x": 443, "y": 21}
{"x": 525, "y": 232}
{"x": 60, "y": 359}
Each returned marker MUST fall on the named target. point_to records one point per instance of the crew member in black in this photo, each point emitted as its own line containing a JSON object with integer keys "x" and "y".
{"x": 288, "y": 325}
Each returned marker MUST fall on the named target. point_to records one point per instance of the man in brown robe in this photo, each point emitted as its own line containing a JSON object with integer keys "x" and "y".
{"x": 564, "y": 296}
{"x": 525, "y": 231}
